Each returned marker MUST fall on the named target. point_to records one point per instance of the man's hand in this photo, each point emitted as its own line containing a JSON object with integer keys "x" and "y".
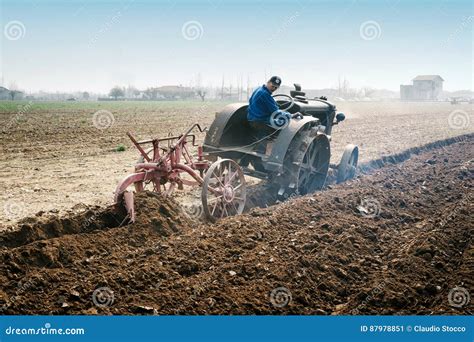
{"x": 297, "y": 116}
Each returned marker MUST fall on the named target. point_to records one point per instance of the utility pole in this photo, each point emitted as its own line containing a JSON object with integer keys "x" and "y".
{"x": 222, "y": 88}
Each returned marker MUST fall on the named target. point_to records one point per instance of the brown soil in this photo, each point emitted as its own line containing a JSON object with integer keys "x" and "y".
{"x": 53, "y": 158}
{"x": 396, "y": 241}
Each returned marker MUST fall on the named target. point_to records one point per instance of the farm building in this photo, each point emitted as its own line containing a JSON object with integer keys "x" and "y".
{"x": 175, "y": 92}
{"x": 424, "y": 88}
{"x": 6, "y": 94}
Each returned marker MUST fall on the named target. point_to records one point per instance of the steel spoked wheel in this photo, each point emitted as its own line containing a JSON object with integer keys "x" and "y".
{"x": 313, "y": 168}
{"x": 154, "y": 184}
{"x": 347, "y": 167}
{"x": 165, "y": 189}
{"x": 224, "y": 190}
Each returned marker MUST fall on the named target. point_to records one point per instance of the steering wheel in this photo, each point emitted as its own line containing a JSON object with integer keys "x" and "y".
{"x": 289, "y": 102}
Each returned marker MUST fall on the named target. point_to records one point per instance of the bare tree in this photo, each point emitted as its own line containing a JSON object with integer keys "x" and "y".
{"x": 151, "y": 93}
{"x": 199, "y": 88}
{"x": 248, "y": 87}
{"x": 202, "y": 94}
{"x": 13, "y": 93}
{"x": 131, "y": 91}
{"x": 240, "y": 88}
{"x": 343, "y": 87}
{"x": 13, "y": 90}
{"x": 368, "y": 91}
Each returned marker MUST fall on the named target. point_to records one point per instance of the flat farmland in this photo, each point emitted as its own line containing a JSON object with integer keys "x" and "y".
{"x": 55, "y": 156}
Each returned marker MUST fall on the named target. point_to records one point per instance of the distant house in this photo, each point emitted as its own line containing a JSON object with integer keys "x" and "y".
{"x": 4, "y": 94}
{"x": 424, "y": 88}
{"x": 175, "y": 92}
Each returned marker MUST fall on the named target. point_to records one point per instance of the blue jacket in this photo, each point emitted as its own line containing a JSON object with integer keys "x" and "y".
{"x": 261, "y": 105}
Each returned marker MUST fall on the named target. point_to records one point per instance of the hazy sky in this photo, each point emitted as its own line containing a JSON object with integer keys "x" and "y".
{"x": 93, "y": 45}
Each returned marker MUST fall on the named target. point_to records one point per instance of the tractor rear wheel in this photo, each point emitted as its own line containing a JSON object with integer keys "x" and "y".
{"x": 305, "y": 167}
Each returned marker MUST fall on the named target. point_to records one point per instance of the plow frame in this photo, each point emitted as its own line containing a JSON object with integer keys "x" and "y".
{"x": 165, "y": 167}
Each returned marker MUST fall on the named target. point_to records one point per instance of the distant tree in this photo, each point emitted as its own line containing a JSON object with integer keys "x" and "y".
{"x": 131, "y": 92}
{"x": 151, "y": 93}
{"x": 222, "y": 88}
{"x": 116, "y": 92}
{"x": 202, "y": 94}
{"x": 85, "y": 95}
{"x": 13, "y": 90}
{"x": 136, "y": 92}
{"x": 343, "y": 87}
{"x": 13, "y": 93}
{"x": 199, "y": 88}
{"x": 177, "y": 92}
{"x": 368, "y": 91}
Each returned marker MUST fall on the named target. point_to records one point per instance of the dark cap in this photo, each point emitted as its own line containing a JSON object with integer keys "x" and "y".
{"x": 275, "y": 80}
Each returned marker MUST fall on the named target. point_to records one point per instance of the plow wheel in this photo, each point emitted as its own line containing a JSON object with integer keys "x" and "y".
{"x": 165, "y": 189}
{"x": 224, "y": 190}
{"x": 154, "y": 185}
{"x": 347, "y": 167}
{"x": 306, "y": 166}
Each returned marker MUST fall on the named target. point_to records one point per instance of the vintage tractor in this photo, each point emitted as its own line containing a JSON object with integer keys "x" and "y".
{"x": 299, "y": 159}
{"x": 298, "y": 162}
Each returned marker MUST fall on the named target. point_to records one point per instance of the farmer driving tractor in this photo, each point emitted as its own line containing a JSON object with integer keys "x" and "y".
{"x": 263, "y": 112}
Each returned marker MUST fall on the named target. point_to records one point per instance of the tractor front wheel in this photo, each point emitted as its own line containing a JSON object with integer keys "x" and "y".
{"x": 347, "y": 167}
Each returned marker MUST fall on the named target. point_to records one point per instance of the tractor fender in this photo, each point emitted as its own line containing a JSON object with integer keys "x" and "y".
{"x": 286, "y": 136}
{"x": 228, "y": 115}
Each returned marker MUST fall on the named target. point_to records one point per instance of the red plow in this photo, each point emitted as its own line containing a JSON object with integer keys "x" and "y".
{"x": 170, "y": 164}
